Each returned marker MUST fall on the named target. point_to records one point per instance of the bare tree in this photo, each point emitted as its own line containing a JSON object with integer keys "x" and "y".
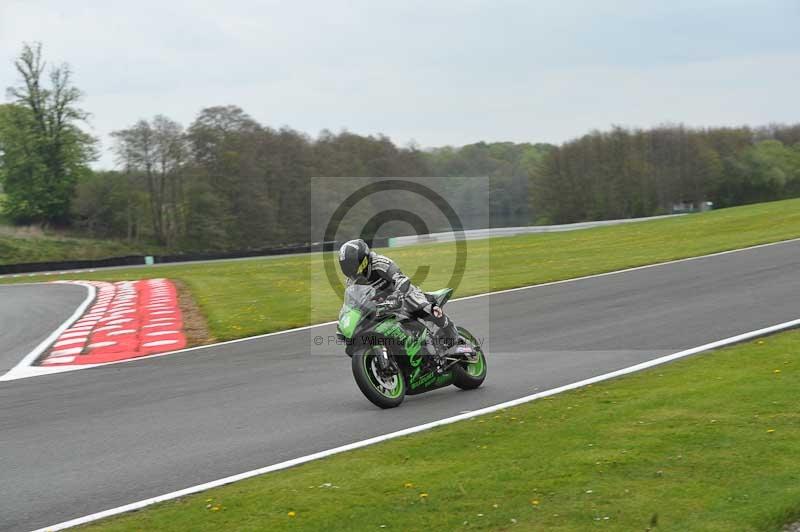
{"x": 157, "y": 151}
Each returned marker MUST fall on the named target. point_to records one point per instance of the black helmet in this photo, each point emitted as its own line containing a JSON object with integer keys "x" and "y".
{"x": 354, "y": 259}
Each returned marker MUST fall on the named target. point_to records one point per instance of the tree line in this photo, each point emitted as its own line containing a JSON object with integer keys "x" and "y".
{"x": 226, "y": 181}
{"x": 626, "y": 173}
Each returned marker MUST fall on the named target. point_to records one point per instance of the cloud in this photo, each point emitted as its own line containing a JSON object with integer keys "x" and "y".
{"x": 445, "y": 72}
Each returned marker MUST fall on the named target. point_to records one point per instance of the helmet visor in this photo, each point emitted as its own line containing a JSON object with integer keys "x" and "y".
{"x": 356, "y": 270}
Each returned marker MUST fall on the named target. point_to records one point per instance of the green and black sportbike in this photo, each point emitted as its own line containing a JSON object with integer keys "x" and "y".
{"x": 393, "y": 354}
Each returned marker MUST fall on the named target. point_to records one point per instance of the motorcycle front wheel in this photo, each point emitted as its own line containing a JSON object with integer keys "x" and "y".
{"x": 385, "y": 391}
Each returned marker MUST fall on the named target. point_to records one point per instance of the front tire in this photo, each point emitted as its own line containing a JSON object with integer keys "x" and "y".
{"x": 382, "y": 391}
{"x": 470, "y": 375}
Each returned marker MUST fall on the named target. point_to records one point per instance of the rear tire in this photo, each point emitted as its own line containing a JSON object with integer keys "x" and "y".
{"x": 470, "y": 375}
{"x": 382, "y": 392}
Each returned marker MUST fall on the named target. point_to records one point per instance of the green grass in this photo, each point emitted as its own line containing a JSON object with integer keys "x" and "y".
{"x": 244, "y": 298}
{"x": 51, "y": 248}
{"x": 708, "y": 443}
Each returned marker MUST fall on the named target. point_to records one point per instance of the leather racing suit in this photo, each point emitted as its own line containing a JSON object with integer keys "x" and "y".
{"x": 387, "y": 279}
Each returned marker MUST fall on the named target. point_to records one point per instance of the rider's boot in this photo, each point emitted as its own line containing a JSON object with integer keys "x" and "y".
{"x": 447, "y": 339}
{"x": 452, "y": 344}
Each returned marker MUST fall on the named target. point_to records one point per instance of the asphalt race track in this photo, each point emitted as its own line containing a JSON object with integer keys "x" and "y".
{"x": 81, "y": 442}
{"x": 29, "y": 313}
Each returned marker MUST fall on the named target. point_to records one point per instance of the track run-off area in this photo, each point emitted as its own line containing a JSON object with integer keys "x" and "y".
{"x": 81, "y": 442}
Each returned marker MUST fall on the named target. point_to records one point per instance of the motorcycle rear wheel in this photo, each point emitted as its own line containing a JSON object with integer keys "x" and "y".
{"x": 380, "y": 390}
{"x": 470, "y": 375}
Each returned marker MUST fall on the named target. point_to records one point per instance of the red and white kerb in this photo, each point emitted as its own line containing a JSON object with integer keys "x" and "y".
{"x": 128, "y": 319}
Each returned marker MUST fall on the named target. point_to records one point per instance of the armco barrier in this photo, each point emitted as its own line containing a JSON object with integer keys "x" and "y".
{"x": 140, "y": 260}
{"x": 475, "y": 234}
{"x": 70, "y": 265}
{"x": 471, "y": 234}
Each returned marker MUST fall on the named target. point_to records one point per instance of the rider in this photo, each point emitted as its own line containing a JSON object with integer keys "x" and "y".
{"x": 362, "y": 266}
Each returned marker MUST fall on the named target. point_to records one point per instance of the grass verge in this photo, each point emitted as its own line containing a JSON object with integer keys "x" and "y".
{"x": 244, "y": 298}
{"x": 709, "y": 443}
{"x": 51, "y": 248}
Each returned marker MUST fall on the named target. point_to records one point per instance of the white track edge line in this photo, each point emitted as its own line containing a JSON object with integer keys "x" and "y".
{"x": 31, "y": 357}
{"x": 634, "y": 268}
{"x": 419, "y": 428}
{"x": 64, "y": 369}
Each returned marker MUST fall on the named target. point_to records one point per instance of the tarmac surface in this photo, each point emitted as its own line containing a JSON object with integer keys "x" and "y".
{"x": 81, "y": 442}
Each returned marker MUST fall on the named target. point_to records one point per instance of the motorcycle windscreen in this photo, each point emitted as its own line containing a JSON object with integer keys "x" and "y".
{"x": 358, "y": 301}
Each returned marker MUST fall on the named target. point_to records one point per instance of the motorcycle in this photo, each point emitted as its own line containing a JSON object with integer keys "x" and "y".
{"x": 394, "y": 354}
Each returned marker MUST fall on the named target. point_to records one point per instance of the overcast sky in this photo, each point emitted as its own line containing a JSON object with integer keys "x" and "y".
{"x": 436, "y": 72}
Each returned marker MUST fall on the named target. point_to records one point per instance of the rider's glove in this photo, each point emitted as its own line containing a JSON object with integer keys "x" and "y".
{"x": 394, "y": 301}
